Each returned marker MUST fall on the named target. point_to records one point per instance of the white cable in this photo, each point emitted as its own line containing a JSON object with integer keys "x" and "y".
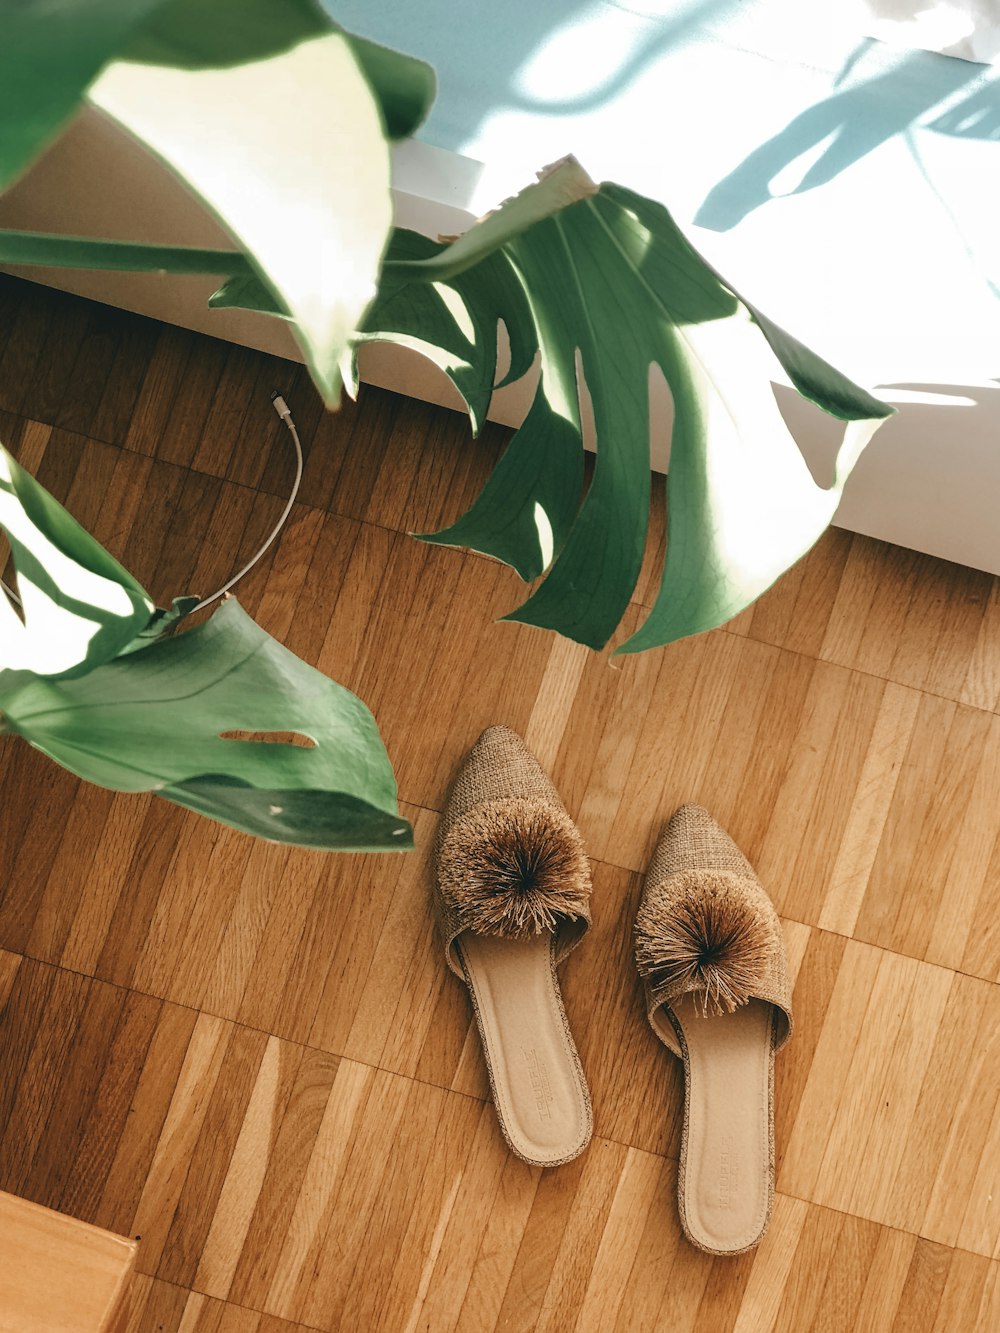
{"x": 285, "y": 413}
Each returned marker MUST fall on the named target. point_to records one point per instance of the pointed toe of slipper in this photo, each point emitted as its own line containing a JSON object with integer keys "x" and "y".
{"x": 510, "y": 860}
{"x": 498, "y": 767}
{"x": 693, "y": 840}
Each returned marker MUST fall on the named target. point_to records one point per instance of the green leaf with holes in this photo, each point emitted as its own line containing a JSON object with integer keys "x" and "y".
{"x": 612, "y": 286}
{"x": 453, "y": 324}
{"x": 94, "y": 677}
{"x": 154, "y": 721}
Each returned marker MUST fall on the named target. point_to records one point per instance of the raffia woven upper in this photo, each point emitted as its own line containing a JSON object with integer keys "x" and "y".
{"x": 502, "y": 785}
{"x": 696, "y": 860}
{"x": 498, "y": 767}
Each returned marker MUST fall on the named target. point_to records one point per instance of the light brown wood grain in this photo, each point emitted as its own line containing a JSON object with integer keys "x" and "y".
{"x": 254, "y": 1059}
{"x": 59, "y": 1275}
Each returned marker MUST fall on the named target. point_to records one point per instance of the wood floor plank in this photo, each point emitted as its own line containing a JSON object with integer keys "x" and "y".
{"x": 772, "y": 1267}
{"x": 88, "y": 378}
{"x": 925, "y": 1283}
{"x": 619, "y": 1242}
{"x": 236, "y": 405}
{"x": 178, "y": 1139}
{"x": 292, "y": 1135}
{"x": 875, "y": 789}
{"x": 885, "y": 1280}
{"x": 165, "y": 370}
{"x": 128, "y": 1174}
{"x": 981, "y": 684}
{"x": 49, "y": 388}
{"x": 796, "y": 612}
{"x": 120, "y": 390}
{"x": 451, "y": 1262}
{"x": 58, "y": 902}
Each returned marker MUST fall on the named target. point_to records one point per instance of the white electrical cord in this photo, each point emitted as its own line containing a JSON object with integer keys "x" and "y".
{"x": 285, "y": 413}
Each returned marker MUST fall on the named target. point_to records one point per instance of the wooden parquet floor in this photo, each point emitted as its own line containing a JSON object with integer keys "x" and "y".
{"x": 255, "y": 1059}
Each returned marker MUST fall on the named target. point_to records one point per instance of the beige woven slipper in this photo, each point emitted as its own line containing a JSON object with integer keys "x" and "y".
{"x": 712, "y": 959}
{"x": 512, "y": 896}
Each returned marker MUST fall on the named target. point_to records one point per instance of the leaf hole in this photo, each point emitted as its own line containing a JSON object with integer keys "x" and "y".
{"x": 8, "y": 574}
{"x": 817, "y": 435}
{"x": 661, "y": 417}
{"x": 271, "y": 738}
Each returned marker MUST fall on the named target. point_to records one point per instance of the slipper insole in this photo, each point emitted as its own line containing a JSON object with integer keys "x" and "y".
{"x": 727, "y": 1169}
{"x": 538, "y": 1087}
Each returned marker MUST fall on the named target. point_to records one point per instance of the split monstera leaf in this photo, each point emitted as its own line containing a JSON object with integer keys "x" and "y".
{"x": 90, "y": 678}
{"x": 600, "y": 283}
{"x": 220, "y": 92}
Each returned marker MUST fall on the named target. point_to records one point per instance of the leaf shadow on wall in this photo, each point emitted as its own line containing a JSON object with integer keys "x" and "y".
{"x": 854, "y": 121}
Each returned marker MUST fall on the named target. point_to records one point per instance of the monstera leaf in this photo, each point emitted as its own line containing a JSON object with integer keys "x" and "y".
{"x": 92, "y": 678}
{"x": 277, "y": 119}
{"x": 453, "y": 325}
{"x": 613, "y": 285}
{"x": 264, "y": 108}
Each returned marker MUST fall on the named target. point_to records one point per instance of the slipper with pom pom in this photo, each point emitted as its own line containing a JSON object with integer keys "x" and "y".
{"x": 711, "y": 956}
{"x": 512, "y": 898}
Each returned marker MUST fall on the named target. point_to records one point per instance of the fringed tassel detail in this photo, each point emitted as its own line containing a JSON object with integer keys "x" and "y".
{"x": 514, "y": 868}
{"x": 703, "y": 933}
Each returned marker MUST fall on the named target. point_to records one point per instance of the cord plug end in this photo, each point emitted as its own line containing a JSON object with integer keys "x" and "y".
{"x": 280, "y": 406}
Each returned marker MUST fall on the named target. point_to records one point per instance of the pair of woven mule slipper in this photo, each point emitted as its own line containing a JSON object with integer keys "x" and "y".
{"x": 512, "y": 897}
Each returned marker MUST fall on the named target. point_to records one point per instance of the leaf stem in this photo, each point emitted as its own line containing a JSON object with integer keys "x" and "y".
{"x": 25, "y": 247}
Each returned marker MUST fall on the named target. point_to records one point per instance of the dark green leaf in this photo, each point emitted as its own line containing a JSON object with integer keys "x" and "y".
{"x": 190, "y": 34}
{"x": 405, "y": 87}
{"x": 525, "y": 511}
{"x": 612, "y": 283}
{"x": 247, "y": 293}
{"x": 816, "y": 379}
{"x": 332, "y": 822}
{"x": 153, "y": 721}
{"x": 161, "y": 622}
{"x": 452, "y": 323}
{"x": 49, "y": 54}
{"x": 92, "y": 678}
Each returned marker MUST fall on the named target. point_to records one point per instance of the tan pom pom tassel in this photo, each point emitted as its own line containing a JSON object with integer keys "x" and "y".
{"x": 703, "y": 934}
{"x": 514, "y": 868}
